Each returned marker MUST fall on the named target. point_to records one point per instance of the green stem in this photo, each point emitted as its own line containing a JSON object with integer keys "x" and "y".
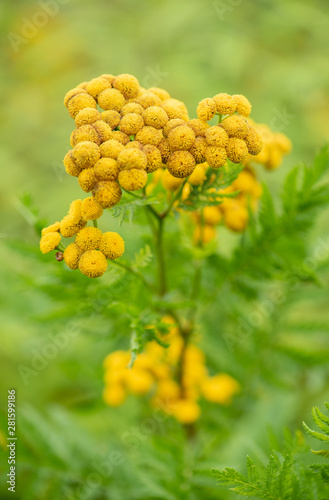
{"x": 174, "y": 198}
{"x": 135, "y": 273}
{"x": 95, "y": 223}
{"x": 60, "y": 247}
{"x": 161, "y": 259}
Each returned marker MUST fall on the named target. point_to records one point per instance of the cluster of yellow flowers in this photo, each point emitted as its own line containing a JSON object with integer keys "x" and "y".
{"x": 174, "y": 378}
{"x": 142, "y": 130}
{"x": 125, "y": 132}
{"x": 91, "y": 248}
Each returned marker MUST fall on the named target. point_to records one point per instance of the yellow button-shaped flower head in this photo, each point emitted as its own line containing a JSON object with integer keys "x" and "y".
{"x": 186, "y": 411}
{"x": 206, "y": 109}
{"x": 89, "y": 238}
{"x": 133, "y": 179}
{"x": 181, "y": 164}
{"x": 225, "y": 104}
{"x": 49, "y": 241}
{"x": 93, "y": 263}
{"x": 112, "y": 245}
{"x": 90, "y": 209}
{"x": 132, "y": 158}
{"x": 127, "y": 84}
{"x": 107, "y": 193}
{"x": 243, "y": 106}
{"x": 237, "y": 150}
{"x": 72, "y": 254}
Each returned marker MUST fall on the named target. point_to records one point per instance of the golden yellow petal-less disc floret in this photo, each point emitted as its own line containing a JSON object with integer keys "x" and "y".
{"x": 181, "y": 164}
{"x": 112, "y": 245}
{"x": 237, "y": 150}
{"x": 206, "y": 109}
{"x": 85, "y": 154}
{"x": 127, "y": 84}
{"x": 72, "y": 254}
{"x": 131, "y": 123}
{"x": 93, "y": 263}
{"x": 49, "y": 241}
{"x": 216, "y": 157}
{"x": 106, "y": 169}
{"x": 111, "y": 149}
{"x": 111, "y": 99}
{"x": 111, "y": 117}
{"x": 107, "y": 193}
{"x": 181, "y": 138}
{"x": 155, "y": 116}
{"x": 90, "y": 209}
{"x": 89, "y": 238}
{"x": 133, "y": 179}
{"x": 235, "y": 126}
{"x": 225, "y": 104}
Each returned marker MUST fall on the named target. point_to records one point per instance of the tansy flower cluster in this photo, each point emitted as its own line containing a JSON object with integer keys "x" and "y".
{"x": 174, "y": 378}
{"x": 91, "y": 248}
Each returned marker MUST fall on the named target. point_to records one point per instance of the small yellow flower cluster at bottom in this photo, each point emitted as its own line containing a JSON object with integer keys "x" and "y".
{"x": 175, "y": 378}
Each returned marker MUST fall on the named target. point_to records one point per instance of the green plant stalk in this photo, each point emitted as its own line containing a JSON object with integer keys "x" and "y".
{"x": 136, "y": 273}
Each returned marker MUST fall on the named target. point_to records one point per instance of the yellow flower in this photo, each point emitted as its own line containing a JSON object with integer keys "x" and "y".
{"x": 243, "y": 106}
{"x": 49, "y": 241}
{"x": 237, "y": 150}
{"x": 70, "y": 166}
{"x": 174, "y": 109}
{"x": 148, "y": 99}
{"x": 149, "y": 135}
{"x": 89, "y": 238}
{"x": 206, "y": 109}
{"x": 212, "y": 215}
{"x": 131, "y": 123}
{"x": 220, "y": 388}
{"x": 111, "y": 99}
{"x": 127, "y": 84}
{"x": 155, "y": 116}
{"x": 186, "y": 411}
{"x": 167, "y": 390}
{"x": 117, "y": 360}
{"x": 111, "y": 149}
{"x": 153, "y": 155}
{"x": 139, "y": 381}
{"x": 93, "y": 263}
{"x": 225, "y": 104}
{"x": 198, "y": 176}
{"x": 53, "y": 228}
{"x": 236, "y": 215}
{"x": 204, "y": 234}
{"x": 235, "y": 126}
{"x": 87, "y": 116}
{"x": 216, "y": 136}
{"x": 170, "y": 182}
{"x": 133, "y": 179}
{"x": 216, "y": 157}
{"x": 132, "y": 107}
{"x": 181, "y": 138}
{"x": 107, "y": 193}
{"x": 80, "y": 101}
{"x": 114, "y": 395}
{"x": 85, "y": 154}
{"x": 72, "y": 254}
{"x": 73, "y": 222}
{"x": 132, "y": 158}
{"x": 181, "y": 164}
{"x": 112, "y": 245}
{"x": 97, "y": 85}
{"x": 106, "y": 169}
{"x": 71, "y": 93}
{"x": 254, "y": 141}
{"x": 87, "y": 179}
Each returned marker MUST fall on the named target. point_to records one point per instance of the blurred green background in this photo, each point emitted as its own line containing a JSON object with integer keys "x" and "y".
{"x": 275, "y": 53}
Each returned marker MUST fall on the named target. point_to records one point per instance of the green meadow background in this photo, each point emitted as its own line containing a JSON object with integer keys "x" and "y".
{"x": 276, "y": 54}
